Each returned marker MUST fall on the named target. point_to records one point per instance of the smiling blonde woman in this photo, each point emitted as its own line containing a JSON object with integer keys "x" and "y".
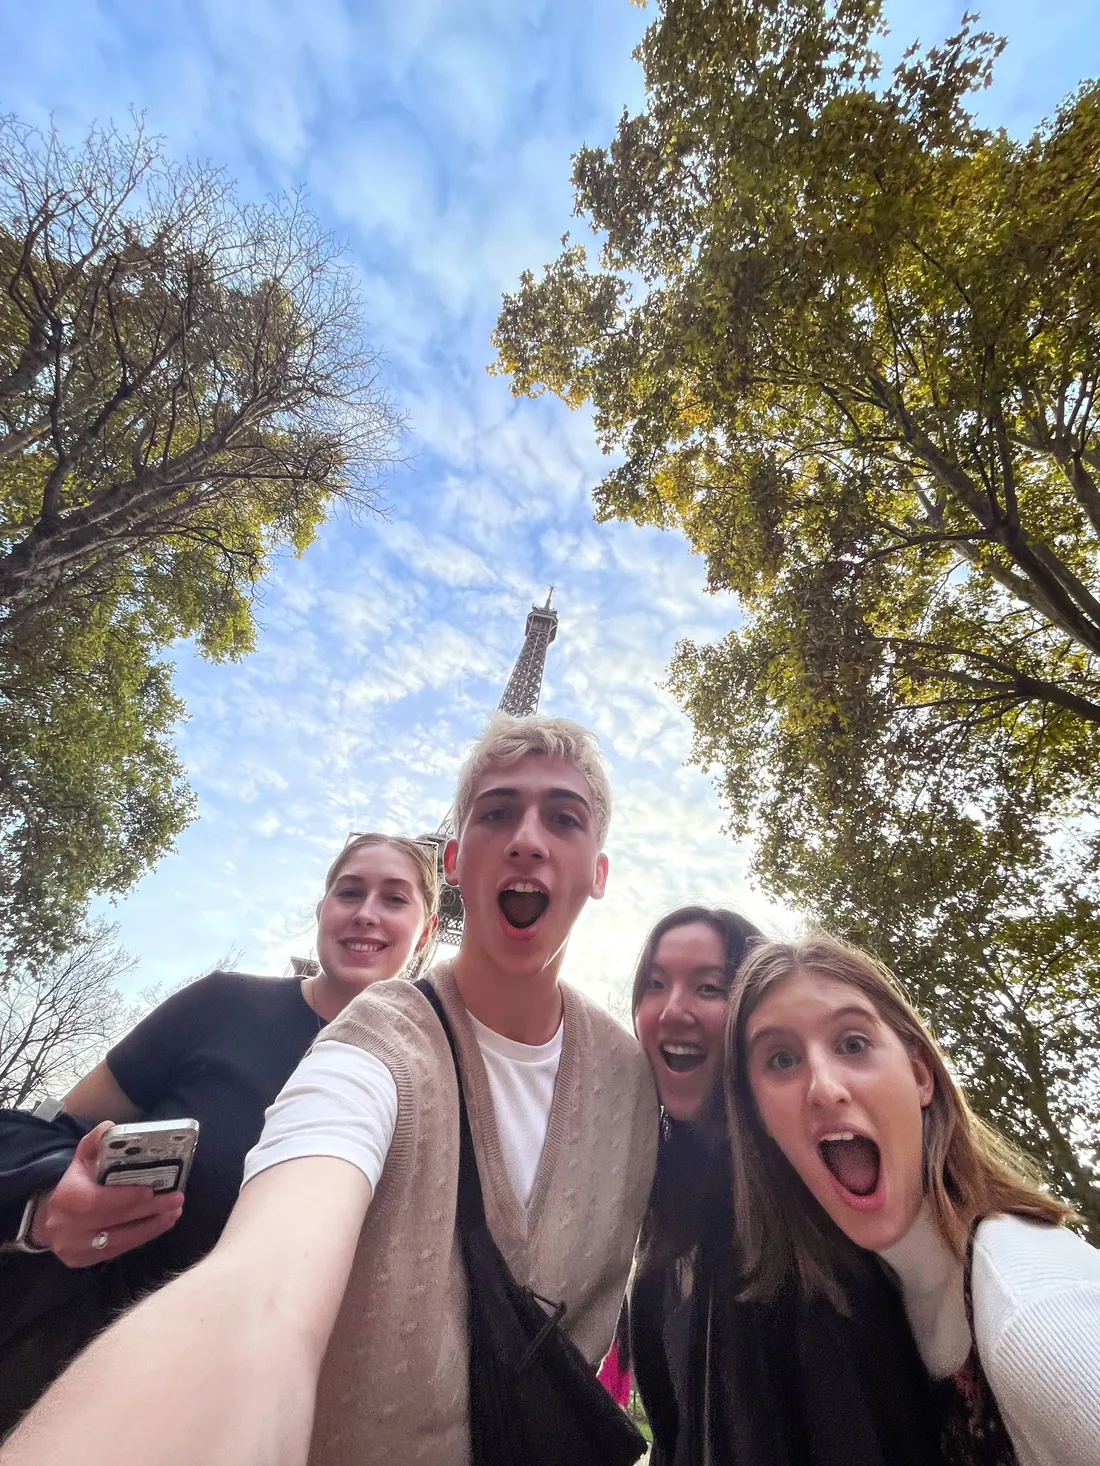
{"x": 217, "y": 1051}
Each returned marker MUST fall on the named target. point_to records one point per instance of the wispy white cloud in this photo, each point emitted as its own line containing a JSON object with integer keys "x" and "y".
{"x": 437, "y": 139}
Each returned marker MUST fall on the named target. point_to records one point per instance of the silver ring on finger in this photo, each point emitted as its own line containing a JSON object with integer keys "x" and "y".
{"x": 100, "y": 1240}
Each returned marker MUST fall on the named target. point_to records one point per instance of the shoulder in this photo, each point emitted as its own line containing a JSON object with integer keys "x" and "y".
{"x": 607, "y": 1034}
{"x": 232, "y": 988}
{"x": 1037, "y": 1327}
{"x": 206, "y": 1002}
{"x": 394, "y": 1021}
{"x": 1017, "y": 1261}
{"x": 611, "y": 1046}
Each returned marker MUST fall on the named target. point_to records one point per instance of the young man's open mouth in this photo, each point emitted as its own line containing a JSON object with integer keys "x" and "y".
{"x": 522, "y": 903}
{"x": 854, "y": 1162}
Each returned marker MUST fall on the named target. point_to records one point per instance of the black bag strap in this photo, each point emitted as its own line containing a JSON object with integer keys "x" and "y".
{"x": 471, "y": 1202}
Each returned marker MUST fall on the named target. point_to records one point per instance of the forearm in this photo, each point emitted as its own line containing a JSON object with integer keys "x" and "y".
{"x": 220, "y": 1367}
{"x": 206, "y": 1370}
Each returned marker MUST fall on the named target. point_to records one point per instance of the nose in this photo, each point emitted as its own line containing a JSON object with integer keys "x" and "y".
{"x": 827, "y": 1087}
{"x": 368, "y": 910}
{"x": 528, "y": 836}
{"x": 677, "y": 1005}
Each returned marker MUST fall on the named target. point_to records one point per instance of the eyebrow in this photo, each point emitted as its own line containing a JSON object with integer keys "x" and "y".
{"x": 848, "y": 1011}
{"x": 692, "y": 971}
{"x": 351, "y": 875}
{"x": 505, "y": 793}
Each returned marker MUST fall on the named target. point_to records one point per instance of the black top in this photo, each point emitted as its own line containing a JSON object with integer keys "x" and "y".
{"x": 218, "y": 1052}
{"x": 793, "y": 1382}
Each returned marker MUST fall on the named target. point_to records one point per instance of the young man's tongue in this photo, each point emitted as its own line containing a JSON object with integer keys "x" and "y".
{"x": 523, "y": 908}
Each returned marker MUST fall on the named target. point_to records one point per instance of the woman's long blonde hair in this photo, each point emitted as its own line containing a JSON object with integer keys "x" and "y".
{"x": 969, "y": 1170}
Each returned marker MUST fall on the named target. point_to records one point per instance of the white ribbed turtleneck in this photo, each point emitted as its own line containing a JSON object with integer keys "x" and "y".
{"x": 931, "y": 1278}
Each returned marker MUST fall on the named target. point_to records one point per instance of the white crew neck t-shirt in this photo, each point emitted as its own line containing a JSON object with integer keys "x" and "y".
{"x": 342, "y": 1102}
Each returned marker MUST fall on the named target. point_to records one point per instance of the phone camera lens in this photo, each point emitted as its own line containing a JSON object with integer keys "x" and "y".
{"x": 116, "y": 1145}
{"x": 133, "y": 1150}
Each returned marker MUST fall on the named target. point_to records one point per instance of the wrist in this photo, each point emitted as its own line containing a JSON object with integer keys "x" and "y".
{"x": 36, "y": 1223}
{"x": 25, "y": 1238}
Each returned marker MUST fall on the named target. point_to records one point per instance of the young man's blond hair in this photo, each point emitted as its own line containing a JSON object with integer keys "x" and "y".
{"x": 507, "y": 739}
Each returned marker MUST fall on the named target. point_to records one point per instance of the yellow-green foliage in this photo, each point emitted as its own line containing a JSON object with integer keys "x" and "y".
{"x": 849, "y": 343}
{"x": 184, "y": 393}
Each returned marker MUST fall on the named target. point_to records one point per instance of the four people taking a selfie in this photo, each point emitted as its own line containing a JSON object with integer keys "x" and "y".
{"x": 447, "y": 1185}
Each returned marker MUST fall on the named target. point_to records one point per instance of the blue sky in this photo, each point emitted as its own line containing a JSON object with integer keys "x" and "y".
{"x": 436, "y": 138}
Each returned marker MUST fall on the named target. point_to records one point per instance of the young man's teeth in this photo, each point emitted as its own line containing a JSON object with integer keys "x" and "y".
{"x": 840, "y": 1135}
{"x": 525, "y": 888}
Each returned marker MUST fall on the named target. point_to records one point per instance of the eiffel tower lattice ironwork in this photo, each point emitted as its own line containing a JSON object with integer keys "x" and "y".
{"x": 521, "y": 699}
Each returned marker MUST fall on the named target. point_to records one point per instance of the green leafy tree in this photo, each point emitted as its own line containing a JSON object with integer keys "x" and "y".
{"x": 848, "y": 341}
{"x": 185, "y": 393}
{"x": 922, "y": 849}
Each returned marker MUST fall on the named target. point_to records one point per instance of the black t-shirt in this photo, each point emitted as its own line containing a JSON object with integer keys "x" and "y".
{"x": 218, "y": 1052}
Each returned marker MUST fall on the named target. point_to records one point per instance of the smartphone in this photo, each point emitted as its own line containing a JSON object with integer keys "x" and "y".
{"x": 156, "y": 1153}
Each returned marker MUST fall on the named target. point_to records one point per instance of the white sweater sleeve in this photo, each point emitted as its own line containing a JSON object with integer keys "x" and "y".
{"x": 340, "y": 1101}
{"x": 1037, "y": 1324}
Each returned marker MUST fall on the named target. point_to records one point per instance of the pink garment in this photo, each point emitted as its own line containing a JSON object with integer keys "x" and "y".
{"x": 614, "y": 1378}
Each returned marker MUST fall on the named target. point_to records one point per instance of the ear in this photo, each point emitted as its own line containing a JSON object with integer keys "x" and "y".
{"x": 924, "y": 1075}
{"x": 317, "y": 909}
{"x": 426, "y": 935}
{"x": 599, "y": 880}
{"x": 450, "y": 862}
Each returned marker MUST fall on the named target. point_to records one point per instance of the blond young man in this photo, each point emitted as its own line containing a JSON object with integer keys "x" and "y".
{"x": 332, "y": 1310}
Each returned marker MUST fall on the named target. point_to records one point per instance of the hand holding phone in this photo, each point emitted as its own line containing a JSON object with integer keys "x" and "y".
{"x": 154, "y": 1153}
{"x": 71, "y": 1218}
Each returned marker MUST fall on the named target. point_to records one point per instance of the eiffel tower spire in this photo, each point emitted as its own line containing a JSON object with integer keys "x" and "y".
{"x": 521, "y": 699}
{"x": 521, "y": 696}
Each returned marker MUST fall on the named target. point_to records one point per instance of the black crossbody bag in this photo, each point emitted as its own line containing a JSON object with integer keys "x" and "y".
{"x": 534, "y": 1398}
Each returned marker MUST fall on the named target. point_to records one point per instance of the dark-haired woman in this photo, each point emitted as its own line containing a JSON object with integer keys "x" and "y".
{"x": 782, "y": 1383}
{"x": 218, "y": 1051}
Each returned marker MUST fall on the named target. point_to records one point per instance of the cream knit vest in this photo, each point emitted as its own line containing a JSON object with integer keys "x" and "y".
{"x": 393, "y": 1387}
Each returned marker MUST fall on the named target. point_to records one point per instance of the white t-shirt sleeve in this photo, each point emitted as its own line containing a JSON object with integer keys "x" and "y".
{"x": 1037, "y": 1322}
{"x": 341, "y": 1102}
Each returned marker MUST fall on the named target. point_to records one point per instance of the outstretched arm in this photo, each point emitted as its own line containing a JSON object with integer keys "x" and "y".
{"x": 221, "y": 1365}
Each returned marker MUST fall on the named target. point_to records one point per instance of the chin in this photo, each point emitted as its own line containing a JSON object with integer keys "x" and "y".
{"x": 874, "y": 1231}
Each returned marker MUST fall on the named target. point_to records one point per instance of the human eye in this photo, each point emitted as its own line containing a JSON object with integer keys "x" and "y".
{"x": 713, "y": 990}
{"x": 563, "y": 817}
{"x": 653, "y": 984}
{"x": 853, "y": 1043}
{"x": 494, "y": 813}
{"x": 780, "y": 1061}
{"x": 398, "y": 898}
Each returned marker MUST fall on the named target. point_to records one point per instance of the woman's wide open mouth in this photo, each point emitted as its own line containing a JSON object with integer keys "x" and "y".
{"x": 853, "y": 1161}
{"x": 522, "y": 903}
{"x": 682, "y": 1058}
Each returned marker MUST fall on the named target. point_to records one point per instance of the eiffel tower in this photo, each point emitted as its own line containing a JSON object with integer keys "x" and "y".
{"x": 521, "y": 699}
